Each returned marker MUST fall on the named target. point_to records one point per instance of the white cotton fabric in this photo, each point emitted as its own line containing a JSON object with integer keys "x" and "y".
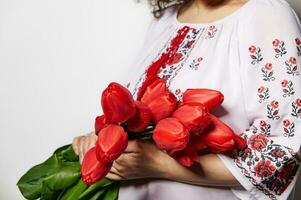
{"x": 220, "y": 59}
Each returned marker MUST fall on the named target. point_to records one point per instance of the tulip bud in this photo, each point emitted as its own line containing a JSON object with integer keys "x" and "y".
{"x": 170, "y": 134}
{"x": 218, "y": 136}
{"x": 111, "y": 143}
{"x": 117, "y": 104}
{"x": 187, "y": 156}
{"x": 100, "y": 123}
{"x": 207, "y": 97}
{"x": 192, "y": 115}
{"x": 91, "y": 169}
{"x": 159, "y": 100}
{"x": 141, "y": 119}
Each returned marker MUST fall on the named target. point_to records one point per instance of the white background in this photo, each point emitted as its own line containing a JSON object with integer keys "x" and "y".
{"x": 55, "y": 58}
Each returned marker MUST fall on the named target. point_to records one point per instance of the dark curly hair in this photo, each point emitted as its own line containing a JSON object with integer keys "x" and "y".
{"x": 158, "y": 6}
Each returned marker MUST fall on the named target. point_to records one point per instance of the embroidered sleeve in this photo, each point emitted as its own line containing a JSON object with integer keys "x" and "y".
{"x": 271, "y": 80}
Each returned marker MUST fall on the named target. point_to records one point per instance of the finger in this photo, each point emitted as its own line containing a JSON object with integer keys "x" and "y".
{"x": 132, "y": 147}
{"x": 75, "y": 145}
{"x": 81, "y": 157}
{"x": 115, "y": 177}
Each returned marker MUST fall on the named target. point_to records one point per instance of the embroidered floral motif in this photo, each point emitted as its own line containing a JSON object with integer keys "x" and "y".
{"x": 267, "y": 72}
{"x": 291, "y": 66}
{"x": 298, "y": 43}
{"x": 268, "y": 166}
{"x": 296, "y": 108}
{"x": 179, "y": 94}
{"x": 211, "y": 32}
{"x": 287, "y": 88}
{"x": 255, "y": 54}
{"x": 196, "y": 63}
{"x": 273, "y": 110}
{"x": 173, "y": 66}
{"x": 279, "y": 48}
{"x": 265, "y": 127}
{"x": 288, "y": 127}
{"x": 263, "y": 93}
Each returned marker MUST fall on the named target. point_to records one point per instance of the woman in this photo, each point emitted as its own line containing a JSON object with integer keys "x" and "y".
{"x": 250, "y": 50}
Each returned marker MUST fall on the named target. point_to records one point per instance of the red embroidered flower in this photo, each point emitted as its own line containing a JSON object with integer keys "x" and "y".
{"x": 252, "y": 49}
{"x": 284, "y": 83}
{"x": 264, "y": 168}
{"x": 293, "y": 60}
{"x": 258, "y": 142}
{"x": 200, "y": 59}
{"x": 277, "y": 153}
{"x": 261, "y": 89}
{"x": 263, "y": 123}
{"x": 297, "y": 40}
{"x": 286, "y": 123}
{"x": 268, "y": 66}
{"x": 274, "y": 104}
{"x": 298, "y": 102}
{"x": 276, "y": 42}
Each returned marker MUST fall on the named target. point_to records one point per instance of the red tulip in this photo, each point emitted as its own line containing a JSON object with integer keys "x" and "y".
{"x": 210, "y": 98}
{"x": 187, "y": 156}
{"x": 92, "y": 170}
{"x": 141, "y": 119}
{"x": 192, "y": 115}
{"x": 170, "y": 134}
{"x": 100, "y": 123}
{"x": 111, "y": 143}
{"x": 160, "y": 101}
{"x": 239, "y": 141}
{"x": 117, "y": 103}
{"x": 218, "y": 136}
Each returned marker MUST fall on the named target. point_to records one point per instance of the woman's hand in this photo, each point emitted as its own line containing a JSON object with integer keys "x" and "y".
{"x": 82, "y": 144}
{"x": 141, "y": 159}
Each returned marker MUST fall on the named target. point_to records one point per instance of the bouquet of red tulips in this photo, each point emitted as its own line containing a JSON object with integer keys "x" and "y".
{"x": 183, "y": 129}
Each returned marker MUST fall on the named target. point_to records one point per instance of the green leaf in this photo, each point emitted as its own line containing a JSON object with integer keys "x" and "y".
{"x": 98, "y": 195}
{"x": 112, "y": 193}
{"x": 89, "y": 192}
{"x": 74, "y": 192}
{"x": 58, "y": 171}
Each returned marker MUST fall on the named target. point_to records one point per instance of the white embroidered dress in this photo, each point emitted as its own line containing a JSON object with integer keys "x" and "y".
{"x": 253, "y": 57}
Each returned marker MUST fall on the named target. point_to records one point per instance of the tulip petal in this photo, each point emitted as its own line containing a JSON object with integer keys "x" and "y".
{"x": 117, "y": 103}
{"x": 111, "y": 143}
{"x": 141, "y": 119}
{"x": 170, "y": 134}
{"x": 218, "y": 136}
{"x": 208, "y": 97}
{"x": 92, "y": 170}
{"x": 191, "y": 115}
{"x": 159, "y": 100}
{"x": 100, "y": 123}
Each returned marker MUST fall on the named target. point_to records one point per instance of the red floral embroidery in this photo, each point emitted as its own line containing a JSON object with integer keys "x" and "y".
{"x": 273, "y": 110}
{"x": 288, "y": 127}
{"x": 267, "y": 72}
{"x": 296, "y": 108}
{"x": 255, "y": 55}
{"x": 211, "y": 32}
{"x": 258, "y": 142}
{"x": 179, "y": 94}
{"x": 263, "y": 93}
{"x": 287, "y": 88}
{"x": 279, "y": 48}
{"x": 265, "y": 127}
{"x": 196, "y": 63}
{"x": 268, "y": 166}
{"x": 264, "y": 168}
{"x": 291, "y": 66}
